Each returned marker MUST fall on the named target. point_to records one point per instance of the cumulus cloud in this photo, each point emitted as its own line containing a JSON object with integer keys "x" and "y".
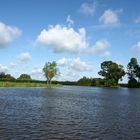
{"x": 136, "y": 47}
{"x": 106, "y": 54}
{"x": 65, "y": 39}
{"x": 69, "y": 21}
{"x": 88, "y": 8}
{"x": 3, "y": 68}
{"x": 36, "y": 71}
{"x": 25, "y": 56}
{"x": 13, "y": 65}
{"x": 73, "y": 68}
{"x": 8, "y": 34}
{"x": 74, "y": 64}
{"x": 110, "y": 17}
{"x": 100, "y": 45}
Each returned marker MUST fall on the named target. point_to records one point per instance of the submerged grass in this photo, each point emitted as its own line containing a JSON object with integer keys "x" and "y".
{"x": 25, "y": 84}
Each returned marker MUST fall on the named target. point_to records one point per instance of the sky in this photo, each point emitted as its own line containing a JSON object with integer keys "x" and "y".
{"x": 78, "y": 34}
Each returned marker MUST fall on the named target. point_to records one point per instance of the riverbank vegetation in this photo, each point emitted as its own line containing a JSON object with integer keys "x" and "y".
{"x": 111, "y": 73}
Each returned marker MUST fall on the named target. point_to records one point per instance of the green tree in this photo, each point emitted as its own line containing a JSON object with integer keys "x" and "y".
{"x": 132, "y": 68}
{"x": 24, "y": 77}
{"x": 138, "y": 73}
{"x": 133, "y": 72}
{"x": 84, "y": 81}
{"x": 50, "y": 71}
{"x": 2, "y": 75}
{"x": 6, "y": 77}
{"x": 112, "y": 72}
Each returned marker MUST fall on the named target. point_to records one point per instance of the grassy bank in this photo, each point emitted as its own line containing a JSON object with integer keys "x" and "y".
{"x": 25, "y": 84}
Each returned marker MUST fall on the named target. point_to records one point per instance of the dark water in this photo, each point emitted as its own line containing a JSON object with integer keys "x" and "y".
{"x": 69, "y": 113}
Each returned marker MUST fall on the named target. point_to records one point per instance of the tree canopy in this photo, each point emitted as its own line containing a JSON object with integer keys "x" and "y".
{"x": 50, "y": 71}
{"x": 133, "y": 72}
{"x": 112, "y": 72}
{"x": 7, "y": 77}
{"x": 24, "y": 77}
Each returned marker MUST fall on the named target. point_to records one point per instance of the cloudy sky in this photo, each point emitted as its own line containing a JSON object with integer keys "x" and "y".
{"x": 77, "y": 34}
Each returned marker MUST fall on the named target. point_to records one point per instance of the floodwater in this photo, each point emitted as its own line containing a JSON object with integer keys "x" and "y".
{"x": 69, "y": 113}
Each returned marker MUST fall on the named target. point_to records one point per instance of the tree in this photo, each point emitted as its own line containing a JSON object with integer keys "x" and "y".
{"x": 138, "y": 73}
{"x": 24, "y": 77}
{"x": 133, "y": 72}
{"x": 2, "y": 75}
{"x": 50, "y": 71}
{"x": 132, "y": 68}
{"x": 84, "y": 81}
{"x": 6, "y": 77}
{"x": 112, "y": 72}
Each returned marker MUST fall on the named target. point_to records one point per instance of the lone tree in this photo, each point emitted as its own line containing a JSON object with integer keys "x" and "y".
{"x": 50, "y": 71}
{"x": 24, "y": 77}
{"x": 112, "y": 72}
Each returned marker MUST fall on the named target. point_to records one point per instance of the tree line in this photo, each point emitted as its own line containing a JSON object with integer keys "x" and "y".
{"x": 111, "y": 73}
{"x": 8, "y": 77}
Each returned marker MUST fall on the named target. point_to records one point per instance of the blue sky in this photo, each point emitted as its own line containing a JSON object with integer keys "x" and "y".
{"x": 78, "y": 35}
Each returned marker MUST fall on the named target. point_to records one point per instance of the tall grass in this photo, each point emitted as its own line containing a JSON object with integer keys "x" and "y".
{"x": 25, "y": 84}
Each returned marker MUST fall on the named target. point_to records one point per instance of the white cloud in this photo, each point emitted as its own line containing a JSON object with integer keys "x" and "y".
{"x": 110, "y": 17}
{"x": 13, "y": 65}
{"x": 74, "y": 64}
{"x": 65, "y": 39}
{"x": 100, "y": 45}
{"x": 73, "y": 68}
{"x": 106, "y": 54}
{"x": 36, "y": 71}
{"x": 69, "y": 21}
{"x": 88, "y": 8}
{"x": 137, "y": 21}
{"x": 136, "y": 47}
{"x": 8, "y": 34}
{"x": 3, "y": 68}
{"x": 25, "y": 56}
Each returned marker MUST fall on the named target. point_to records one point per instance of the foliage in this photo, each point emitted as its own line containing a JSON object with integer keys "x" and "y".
{"x": 132, "y": 83}
{"x": 98, "y": 82}
{"x": 50, "y": 71}
{"x": 24, "y": 77}
{"x": 132, "y": 68}
{"x": 24, "y": 84}
{"x": 6, "y": 77}
{"x": 133, "y": 72}
{"x": 112, "y": 72}
{"x": 84, "y": 81}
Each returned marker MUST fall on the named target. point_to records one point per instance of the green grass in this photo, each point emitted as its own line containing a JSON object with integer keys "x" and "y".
{"x": 24, "y": 84}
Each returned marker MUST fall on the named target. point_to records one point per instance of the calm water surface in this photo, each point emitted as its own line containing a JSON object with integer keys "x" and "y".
{"x": 69, "y": 113}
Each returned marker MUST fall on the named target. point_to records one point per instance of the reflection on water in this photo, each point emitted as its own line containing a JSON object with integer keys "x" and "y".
{"x": 70, "y": 113}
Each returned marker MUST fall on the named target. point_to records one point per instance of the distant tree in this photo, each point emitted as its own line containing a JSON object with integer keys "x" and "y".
{"x": 112, "y": 72}
{"x": 98, "y": 82}
{"x": 132, "y": 83}
{"x": 2, "y": 75}
{"x": 50, "y": 71}
{"x": 133, "y": 72}
{"x": 24, "y": 77}
{"x": 84, "y": 81}
{"x": 138, "y": 73}
{"x": 9, "y": 77}
{"x": 6, "y": 77}
{"x": 132, "y": 68}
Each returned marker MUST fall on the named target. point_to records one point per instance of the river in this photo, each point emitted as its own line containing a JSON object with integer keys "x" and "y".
{"x": 69, "y": 113}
